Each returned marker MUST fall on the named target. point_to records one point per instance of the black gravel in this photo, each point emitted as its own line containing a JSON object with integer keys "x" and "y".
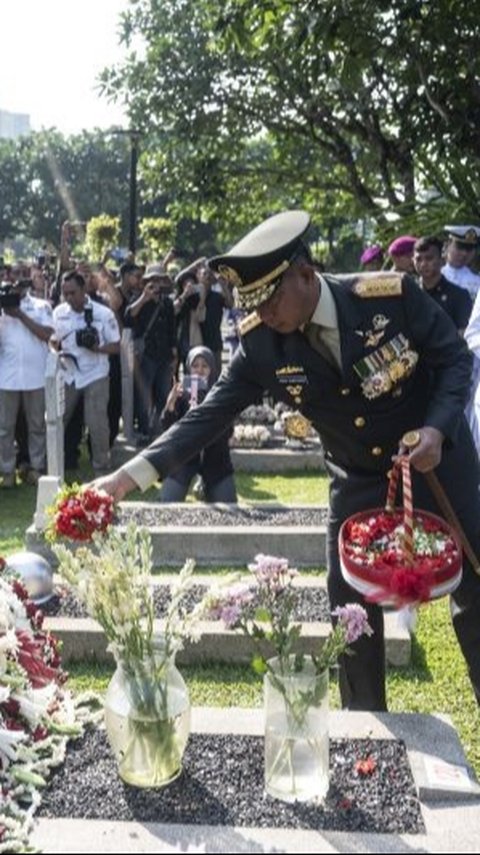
{"x": 208, "y": 515}
{"x": 313, "y": 603}
{"x": 222, "y": 784}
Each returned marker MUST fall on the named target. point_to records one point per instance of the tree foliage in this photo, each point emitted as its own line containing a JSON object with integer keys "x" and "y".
{"x": 46, "y": 178}
{"x": 259, "y": 104}
{"x": 158, "y": 235}
{"x": 103, "y": 233}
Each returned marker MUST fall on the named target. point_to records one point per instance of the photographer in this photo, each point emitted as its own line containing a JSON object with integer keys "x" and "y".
{"x": 25, "y": 327}
{"x": 86, "y": 334}
{"x": 189, "y": 306}
{"x": 212, "y": 463}
{"x": 153, "y": 322}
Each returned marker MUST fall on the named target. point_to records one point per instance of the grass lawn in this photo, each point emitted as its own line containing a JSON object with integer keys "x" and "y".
{"x": 436, "y": 680}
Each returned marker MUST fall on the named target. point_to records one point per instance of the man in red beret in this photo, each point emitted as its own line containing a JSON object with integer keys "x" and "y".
{"x": 401, "y": 253}
{"x": 372, "y": 258}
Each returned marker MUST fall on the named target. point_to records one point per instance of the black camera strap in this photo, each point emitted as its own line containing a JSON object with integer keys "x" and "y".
{"x": 152, "y": 320}
{"x": 64, "y": 355}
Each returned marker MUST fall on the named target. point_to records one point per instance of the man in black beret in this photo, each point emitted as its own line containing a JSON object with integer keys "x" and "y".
{"x": 365, "y": 358}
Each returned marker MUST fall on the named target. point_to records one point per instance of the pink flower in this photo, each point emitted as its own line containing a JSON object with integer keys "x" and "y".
{"x": 272, "y": 572}
{"x": 231, "y": 604}
{"x": 353, "y": 618}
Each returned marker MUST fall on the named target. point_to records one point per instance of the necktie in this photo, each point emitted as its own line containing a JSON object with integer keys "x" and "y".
{"x": 318, "y": 336}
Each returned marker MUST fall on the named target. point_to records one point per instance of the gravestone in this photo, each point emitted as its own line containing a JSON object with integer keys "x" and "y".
{"x": 449, "y": 799}
{"x": 49, "y": 485}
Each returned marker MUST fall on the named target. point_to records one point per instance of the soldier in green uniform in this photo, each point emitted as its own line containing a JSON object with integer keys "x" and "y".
{"x": 365, "y": 358}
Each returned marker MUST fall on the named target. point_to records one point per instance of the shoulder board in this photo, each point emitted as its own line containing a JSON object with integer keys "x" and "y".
{"x": 249, "y": 323}
{"x": 379, "y": 286}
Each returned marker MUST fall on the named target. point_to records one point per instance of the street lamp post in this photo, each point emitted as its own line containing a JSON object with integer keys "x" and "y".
{"x": 134, "y": 137}
{"x": 132, "y": 230}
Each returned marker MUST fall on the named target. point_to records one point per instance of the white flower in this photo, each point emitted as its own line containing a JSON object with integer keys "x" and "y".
{"x": 34, "y": 703}
{"x": 8, "y": 645}
{"x": 4, "y": 694}
{"x": 9, "y": 740}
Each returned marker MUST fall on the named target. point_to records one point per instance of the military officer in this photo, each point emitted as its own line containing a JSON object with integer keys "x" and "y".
{"x": 365, "y": 358}
{"x": 463, "y": 242}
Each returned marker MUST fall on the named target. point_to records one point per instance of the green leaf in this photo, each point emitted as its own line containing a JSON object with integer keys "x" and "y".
{"x": 259, "y": 665}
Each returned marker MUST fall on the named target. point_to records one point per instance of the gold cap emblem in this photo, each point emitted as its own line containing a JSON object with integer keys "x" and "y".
{"x": 230, "y": 275}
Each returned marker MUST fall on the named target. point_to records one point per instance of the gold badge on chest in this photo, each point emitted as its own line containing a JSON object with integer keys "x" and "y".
{"x": 294, "y": 380}
{"x": 373, "y": 336}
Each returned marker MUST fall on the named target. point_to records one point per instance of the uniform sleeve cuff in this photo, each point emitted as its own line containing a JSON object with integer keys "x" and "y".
{"x": 141, "y": 471}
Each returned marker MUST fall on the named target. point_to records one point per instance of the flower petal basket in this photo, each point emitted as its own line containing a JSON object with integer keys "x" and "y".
{"x": 400, "y": 556}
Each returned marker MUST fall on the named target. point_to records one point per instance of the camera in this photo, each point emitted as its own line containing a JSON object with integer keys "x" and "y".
{"x": 9, "y": 298}
{"x": 88, "y": 336}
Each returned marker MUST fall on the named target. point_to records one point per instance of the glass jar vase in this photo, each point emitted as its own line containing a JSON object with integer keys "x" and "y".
{"x": 147, "y": 719}
{"x": 296, "y": 731}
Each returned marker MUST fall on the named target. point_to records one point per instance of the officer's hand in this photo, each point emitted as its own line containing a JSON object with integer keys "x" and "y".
{"x": 428, "y": 453}
{"x": 118, "y": 484}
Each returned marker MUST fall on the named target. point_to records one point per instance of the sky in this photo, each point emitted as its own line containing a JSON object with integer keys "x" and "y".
{"x": 52, "y": 51}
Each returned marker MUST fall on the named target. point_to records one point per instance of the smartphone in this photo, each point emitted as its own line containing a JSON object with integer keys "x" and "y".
{"x": 194, "y": 381}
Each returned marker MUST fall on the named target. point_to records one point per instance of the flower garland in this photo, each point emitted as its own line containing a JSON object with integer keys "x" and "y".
{"x": 250, "y": 436}
{"x": 258, "y": 413}
{"x": 37, "y": 713}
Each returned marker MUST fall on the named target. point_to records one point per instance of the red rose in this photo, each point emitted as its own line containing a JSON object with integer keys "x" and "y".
{"x": 40, "y": 733}
{"x": 10, "y": 708}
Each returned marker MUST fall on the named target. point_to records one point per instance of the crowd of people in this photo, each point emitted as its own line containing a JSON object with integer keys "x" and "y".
{"x": 81, "y": 311}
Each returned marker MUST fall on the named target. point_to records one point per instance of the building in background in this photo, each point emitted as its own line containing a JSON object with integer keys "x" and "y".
{"x": 13, "y": 125}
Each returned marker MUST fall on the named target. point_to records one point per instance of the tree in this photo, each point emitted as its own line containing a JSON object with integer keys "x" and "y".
{"x": 158, "y": 235}
{"x": 13, "y": 189}
{"x": 46, "y": 178}
{"x": 307, "y": 97}
{"x": 103, "y": 233}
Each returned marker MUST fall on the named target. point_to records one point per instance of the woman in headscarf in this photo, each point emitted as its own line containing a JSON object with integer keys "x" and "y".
{"x": 213, "y": 463}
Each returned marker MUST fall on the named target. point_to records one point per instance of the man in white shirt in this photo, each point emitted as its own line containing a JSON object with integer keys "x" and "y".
{"x": 463, "y": 242}
{"x": 86, "y": 333}
{"x": 24, "y": 332}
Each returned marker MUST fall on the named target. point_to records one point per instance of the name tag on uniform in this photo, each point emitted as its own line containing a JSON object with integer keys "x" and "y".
{"x": 294, "y": 379}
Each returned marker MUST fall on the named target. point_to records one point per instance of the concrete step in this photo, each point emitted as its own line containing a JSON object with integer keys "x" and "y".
{"x": 451, "y": 815}
{"x": 224, "y": 545}
{"x": 83, "y": 638}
